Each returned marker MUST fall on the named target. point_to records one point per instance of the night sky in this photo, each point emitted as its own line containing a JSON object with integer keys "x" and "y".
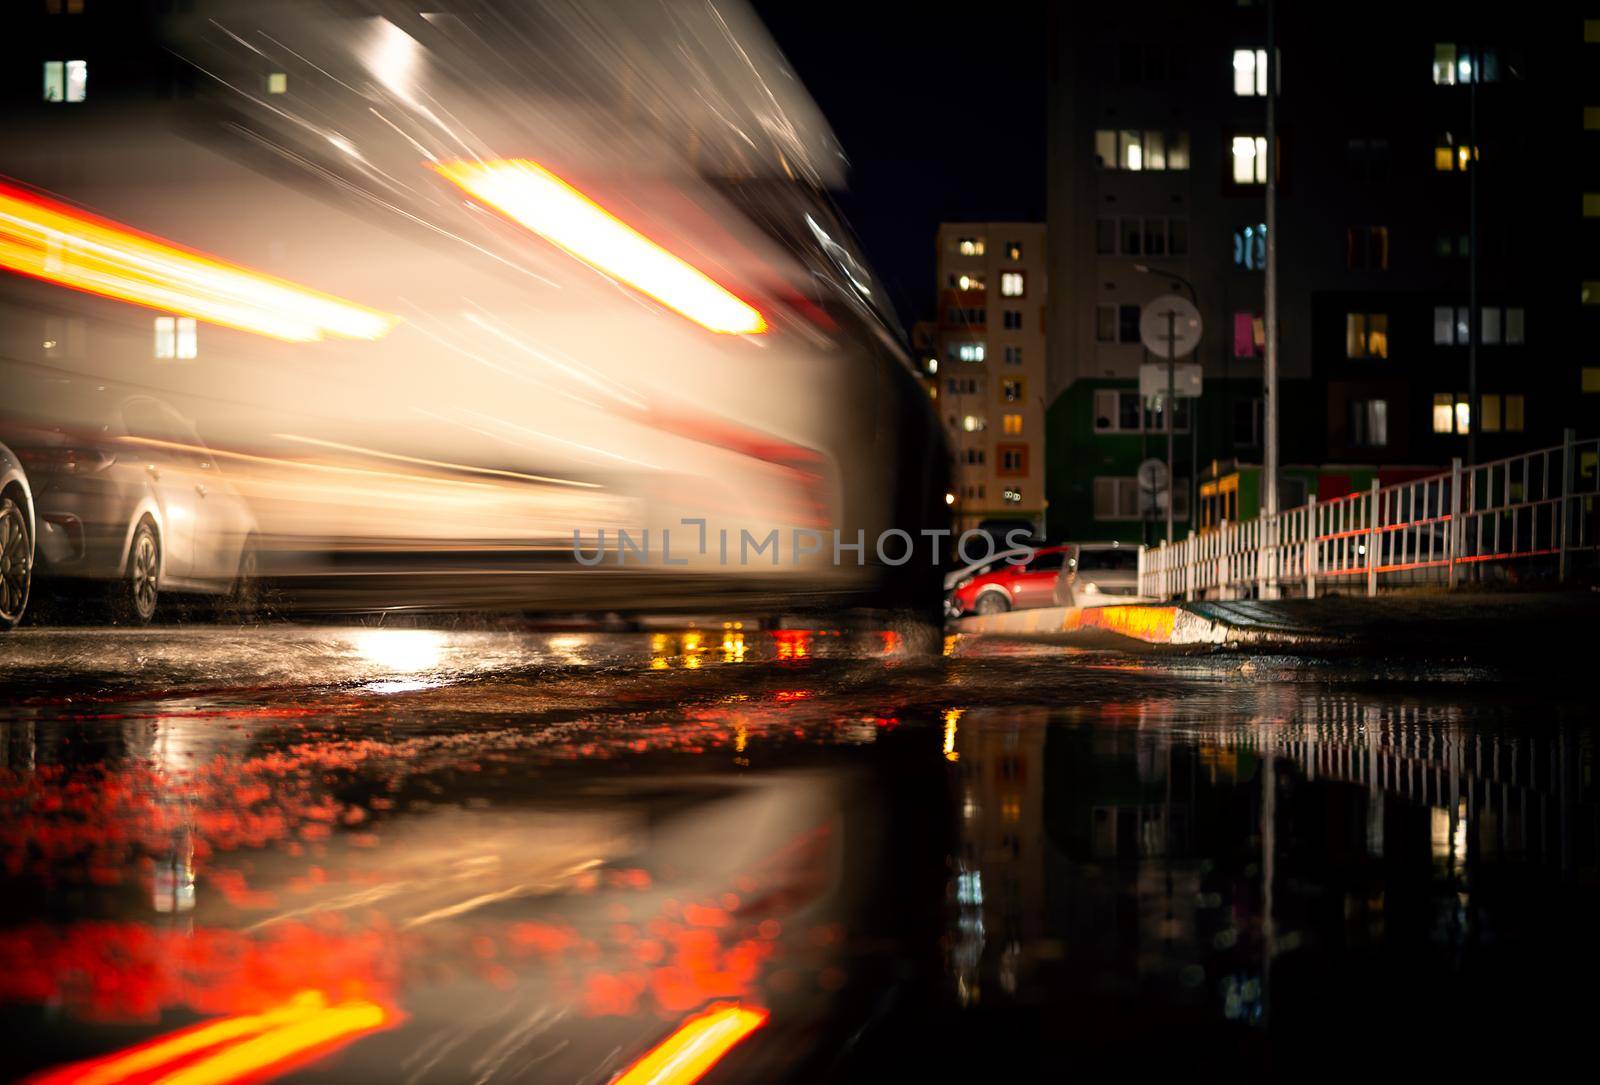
{"x": 941, "y": 110}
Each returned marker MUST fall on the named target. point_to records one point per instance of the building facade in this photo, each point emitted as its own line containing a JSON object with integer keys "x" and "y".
{"x": 990, "y": 364}
{"x": 1157, "y": 170}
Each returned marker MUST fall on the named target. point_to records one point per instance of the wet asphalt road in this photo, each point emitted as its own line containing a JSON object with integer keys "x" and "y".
{"x": 406, "y": 855}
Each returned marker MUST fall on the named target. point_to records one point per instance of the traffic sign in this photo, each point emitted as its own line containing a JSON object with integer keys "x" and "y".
{"x": 1186, "y": 380}
{"x": 1169, "y": 326}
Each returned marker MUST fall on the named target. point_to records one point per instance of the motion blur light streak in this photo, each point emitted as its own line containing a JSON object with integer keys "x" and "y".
{"x": 697, "y": 1045}
{"x": 60, "y": 244}
{"x": 434, "y": 463}
{"x": 536, "y": 198}
{"x": 251, "y": 1046}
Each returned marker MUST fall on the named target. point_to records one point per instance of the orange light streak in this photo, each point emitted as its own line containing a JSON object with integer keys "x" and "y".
{"x": 695, "y": 1047}
{"x": 60, "y": 244}
{"x": 253, "y": 1046}
{"x": 532, "y": 196}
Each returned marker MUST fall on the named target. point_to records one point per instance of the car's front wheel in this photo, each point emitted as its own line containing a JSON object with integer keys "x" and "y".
{"x": 16, "y": 563}
{"x": 140, "y": 586}
{"x": 992, "y": 603}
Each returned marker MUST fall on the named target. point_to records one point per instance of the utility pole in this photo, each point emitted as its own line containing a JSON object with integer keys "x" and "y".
{"x": 1473, "y": 318}
{"x": 1269, "y": 374}
{"x": 1168, "y": 409}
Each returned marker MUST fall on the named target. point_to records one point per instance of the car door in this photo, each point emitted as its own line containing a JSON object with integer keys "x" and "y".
{"x": 169, "y": 475}
{"x": 219, "y": 524}
{"x": 1035, "y": 585}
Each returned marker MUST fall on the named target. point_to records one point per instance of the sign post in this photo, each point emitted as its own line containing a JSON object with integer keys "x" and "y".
{"x": 1169, "y": 327}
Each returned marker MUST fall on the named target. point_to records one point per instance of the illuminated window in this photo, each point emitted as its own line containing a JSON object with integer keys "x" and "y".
{"x": 1489, "y": 404}
{"x": 1011, "y": 460}
{"x": 1249, "y": 335}
{"x": 1369, "y": 423}
{"x": 970, "y": 352}
{"x": 66, "y": 80}
{"x": 1591, "y": 205}
{"x": 1011, "y": 425}
{"x": 1011, "y": 496}
{"x": 1011, "y": 390}
{"x": 1589, "y": 379}
{"x": 1500, "y": 324}
{"x": 177, "y": 337}
{"x": 278, "y": 83}
{"x": 1250, "y": 247}
{"x": 58, "y": 7}
{"x": 1366, "y": 335}
{"x": 966, "y": 280}
{"x": 1449, "y": 157}
{"x": 1249, "y": 160}
{"x": 1136, "y": 149}
{"x": 1443, "y": 413}
{"x": 1444, "y": 64}
{"x": 1012, "y": 319}
{"x": 1591, "y": 292}
{"x": 1250, "y": 72}
{"x": 970, "y": 246}
{"x": 1013, "y": 250}
{"x": 1367, "y": 248}
{"x": 1012, "y": 284}
{"x": 1514, "y": 414}
{"x": 974, "y": 423}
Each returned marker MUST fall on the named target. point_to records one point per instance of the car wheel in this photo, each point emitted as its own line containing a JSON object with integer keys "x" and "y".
{"x": 141, "y": 583}
{"x": 992, "y": 603}
{"x": 16, "y": 563}
{"x": 243, "y": 600}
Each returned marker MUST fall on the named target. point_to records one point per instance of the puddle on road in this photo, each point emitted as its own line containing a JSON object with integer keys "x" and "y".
{"x": 804, "y": 857}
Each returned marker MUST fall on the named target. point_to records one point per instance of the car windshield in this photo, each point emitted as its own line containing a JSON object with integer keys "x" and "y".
{"x": 1117, "y": 559}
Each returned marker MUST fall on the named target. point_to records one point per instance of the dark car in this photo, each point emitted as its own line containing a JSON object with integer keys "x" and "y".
{"x": 16, "y": 539}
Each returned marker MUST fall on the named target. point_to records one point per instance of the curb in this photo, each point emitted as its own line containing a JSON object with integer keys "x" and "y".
{"x": 1149, "y": 623}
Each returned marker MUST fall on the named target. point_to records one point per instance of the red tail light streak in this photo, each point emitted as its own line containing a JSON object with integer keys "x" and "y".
{"x": 246, "y": 1047}
{"x": 60, "y": 244}
{"x": 695, "y": 1047}
{"x": 532, "y": 196}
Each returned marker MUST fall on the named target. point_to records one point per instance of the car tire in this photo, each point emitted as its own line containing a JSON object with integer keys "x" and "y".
{"x": 16, "y": 563}
{"x": 243, "y": 600}
{"x": 992, "y": 603}
{"x": 136, "y": 593}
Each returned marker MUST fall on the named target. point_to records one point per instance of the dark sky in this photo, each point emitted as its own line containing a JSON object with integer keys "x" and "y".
{"x": 941, "y": 110}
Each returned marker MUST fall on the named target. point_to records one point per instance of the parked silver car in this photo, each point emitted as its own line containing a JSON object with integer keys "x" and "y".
{"x": 125, "y": 492}
{"x": 16, "y": 539}
{"x": 1105, "y": 568}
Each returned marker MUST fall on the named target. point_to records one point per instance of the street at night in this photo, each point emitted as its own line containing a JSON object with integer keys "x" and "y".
{"x": 535, "y": 856}
{"x": 660, "y": 542}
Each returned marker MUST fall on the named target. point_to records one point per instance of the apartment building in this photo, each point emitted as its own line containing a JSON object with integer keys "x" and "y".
{"x": 989, "y": 367}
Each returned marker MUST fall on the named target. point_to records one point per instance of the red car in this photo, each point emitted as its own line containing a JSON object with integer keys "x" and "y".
{"x": 1002, "y": 586}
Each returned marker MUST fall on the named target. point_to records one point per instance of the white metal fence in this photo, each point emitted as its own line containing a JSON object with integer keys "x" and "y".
{"x": 1541, "y": 507}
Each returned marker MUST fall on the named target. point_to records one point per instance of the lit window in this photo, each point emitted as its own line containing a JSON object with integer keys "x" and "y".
{"x": 1589, "y": 379}
{"x": 1489, "y": 333}
{"x": 1369, "y": 423}
{"x": 1444, "y": 64}
{"x": 1591, "y": 205}
{"x": 278, "y": 83}
{"x": 1012, "y": 284}
{"x": 1136, "y": 149}
{"x": 1011, "y": 390}
{"x": 970, "y": 246}
{"x": 1443, "y": 413}
{"x": 1011, "y": 425}
{"x": 1515, "y": 325}
{"x": 1448, "y": 157}
{"x": 1250, "y": 247}
{"x": 1249, "y": 160}
{"x": 1012, "y": 496}
{"x": 1514, "y": 414}
{"x": 166, "y": 337}
{"x": 57, "y": 7}
{"x": 970, "y": 352}
{"x": 974, "y": 423}
{"x": 1250, "y": 72}
{"x": 1366, "y": 335}
{"x": 1463, "y": 415}
{"x": 1249, "y": 335}
{"x": 1490, "y": 405}
{"x": 1591, "y": 292}
{"x": 966, "y": 280}
{"x": 1013, "y": 250}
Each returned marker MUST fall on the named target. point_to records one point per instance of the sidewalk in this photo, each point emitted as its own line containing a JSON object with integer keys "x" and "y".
{"x": 1497, "y": 625}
